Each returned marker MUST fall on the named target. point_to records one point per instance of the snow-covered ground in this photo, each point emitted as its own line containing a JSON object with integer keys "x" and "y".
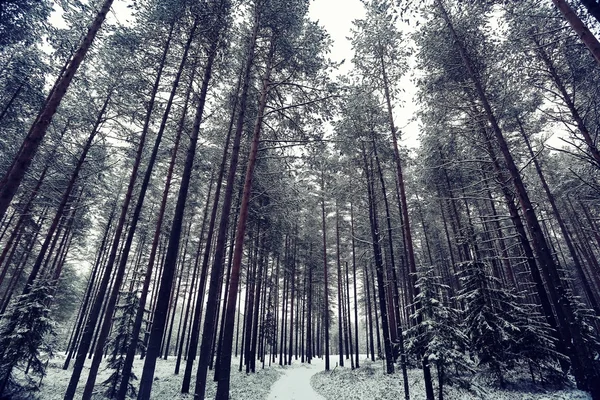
{"x": 308, "y": 382}
{"x": 370, "y": 382}
{"x": 295, "y": 382}
{"x": 166, "y": 385}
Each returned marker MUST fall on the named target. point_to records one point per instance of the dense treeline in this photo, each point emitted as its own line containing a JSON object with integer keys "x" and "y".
{"x": 197, "y": 183}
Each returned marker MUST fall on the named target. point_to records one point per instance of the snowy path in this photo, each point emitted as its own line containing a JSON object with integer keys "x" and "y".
{"x": 295, "y": 383}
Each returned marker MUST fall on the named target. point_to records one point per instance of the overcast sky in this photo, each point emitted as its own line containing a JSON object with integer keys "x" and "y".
{"x": 337, "y": 16}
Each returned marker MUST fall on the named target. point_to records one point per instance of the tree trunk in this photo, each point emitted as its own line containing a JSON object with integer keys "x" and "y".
{"x": 356, "y": 361}
{"x": 325, "y": 283}
{"x": 162, "y": 303}
{"x": 12, "y": 180}
{"x": 223, "y": 385}
{"x": 340, "y": 304}
{"x": 95, "y": 311}
{"x": 378, "y": 267}
{"x": 579, "y": 27}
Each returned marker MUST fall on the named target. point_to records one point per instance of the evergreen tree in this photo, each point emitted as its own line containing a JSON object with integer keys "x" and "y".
{"x": 122, "y": 338}
{"x": 25, "y": 332}
{"x": 438, "y": 331}
{"x": 502, "y": 328}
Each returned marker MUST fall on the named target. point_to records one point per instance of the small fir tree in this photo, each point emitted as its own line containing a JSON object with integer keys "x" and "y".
{"x": 25, "y": 332}
{"x": 123, "y": 322}
{"x": 437, "y": 334}
{"x": 502, "y": 328}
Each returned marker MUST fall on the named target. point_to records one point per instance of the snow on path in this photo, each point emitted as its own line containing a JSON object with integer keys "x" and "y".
{"x": 295, "y": 383}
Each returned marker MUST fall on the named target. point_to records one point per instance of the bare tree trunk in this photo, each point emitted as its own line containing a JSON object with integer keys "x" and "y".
{"x": 223, "y": 385}
{"x": 325, "y": 283}
{"x": 373, "y": 216}
{"x": 340, "y": 304}
{"x": 354, "y": 279}
{"x": 368, "y": 312}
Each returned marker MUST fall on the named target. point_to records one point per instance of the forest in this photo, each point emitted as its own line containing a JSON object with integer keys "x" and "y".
{"x": 198, "y": 201}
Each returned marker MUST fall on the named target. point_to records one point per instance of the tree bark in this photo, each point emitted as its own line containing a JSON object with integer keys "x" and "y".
{"x": 579, "y": 27}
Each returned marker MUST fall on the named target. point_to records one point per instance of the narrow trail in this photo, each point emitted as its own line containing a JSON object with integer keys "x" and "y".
{"x": 295, "y": 383}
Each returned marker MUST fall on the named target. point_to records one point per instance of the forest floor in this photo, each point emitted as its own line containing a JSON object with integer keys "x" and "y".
{"x": 370, "y": 382}
{"x": 166, "y": 385}
{"x": 309, "y": 382}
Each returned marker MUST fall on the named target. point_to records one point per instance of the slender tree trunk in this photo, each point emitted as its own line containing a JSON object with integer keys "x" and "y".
{"x": 95, "y": 311}
{"x": 325, "y": 274}
{"x": 292, "y": 295}
{"x": 192, "y": 287}
{"x": 309, "y": 341}
{"x": 354, "y": 279}
{"x": 579, "y": 27}
{"x": 257, "y": 293}
{"x": 412, "y": 266}
{"x": 223, "y": 385}
{"x": 367, "y": 288}
{"x": 12, "y": 180}
{"x": 349, "y": 323}
{"x": 378, "y": 267}
{"x": 182, "y": 263}
{"x": 339, "y": 290}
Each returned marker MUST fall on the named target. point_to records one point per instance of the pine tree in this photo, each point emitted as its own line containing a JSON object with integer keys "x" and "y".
{"x": 25, "y": 331}
{"x": 437, "y": 334}
{"x": 121, "y": 340}
{"x": 502, "y": 328}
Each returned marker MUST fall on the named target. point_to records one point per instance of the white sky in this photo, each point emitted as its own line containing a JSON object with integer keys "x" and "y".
{"x": 337, "y": 16}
